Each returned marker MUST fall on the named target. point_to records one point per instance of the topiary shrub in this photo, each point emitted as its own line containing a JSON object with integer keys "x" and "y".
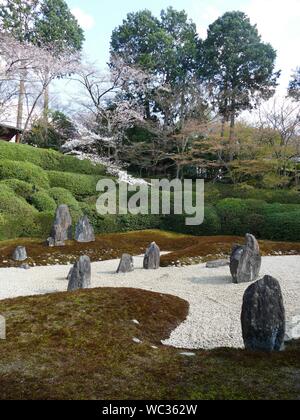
{"x": 63, "y": 196}
{"x": 21, "y": 188}
{"x": 41, "y": 225}
{"x": 48, "y": 159}
{"x": 14, "y": 205}
{"x": 282, "y": 226}
{"x": 210, "y": 226}
{"x": 72, "y": 164}
{"x": 79, "y": 185}
{"x": 24, "y": 171}
{"x": 43, "y": 202}
{"x": 239, "y": 216}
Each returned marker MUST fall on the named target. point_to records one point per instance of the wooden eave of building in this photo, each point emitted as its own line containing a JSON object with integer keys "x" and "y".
{"x": 7, "y": 132}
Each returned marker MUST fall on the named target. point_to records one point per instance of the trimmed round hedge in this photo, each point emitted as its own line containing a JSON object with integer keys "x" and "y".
{"x": 81, "y": 186}
{"x": 210, "y": 226}
{"x": 268, "y": 221}
{"x": 246, "y": 191}
{"x": 14, "y": 205}
{"x": 43, "y": 202}
{"x": 21, "y": 188}
{"x": 48, "y": 159}
{"x": 63, "y": 196}
{"x": 282, "y": 226}
{"x": 24, "y": 171}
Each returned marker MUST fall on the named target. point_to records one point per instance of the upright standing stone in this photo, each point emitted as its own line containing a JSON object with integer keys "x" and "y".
{"x": 126, "y": 264}
{"x": 84, "y": 231}
{"x": 152, "y": 257}
{"x": 245, "y": 261}
{"x": 62, "y": 226}
{"x": 20, "y": 254}
{"x": 263, "y": 316}
{"x": 80, "y": 275}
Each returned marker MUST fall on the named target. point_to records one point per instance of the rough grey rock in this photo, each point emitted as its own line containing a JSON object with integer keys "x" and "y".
{"x": 25, "y": 266}
{"x": 80, "y": 275}
{"x": 84, "y": 231}
{"x": 126, "y": 264}
{"x": 293, "y": 329}
{"x": 152, "y": 257}
{"x": 20, "y": 254}
{"x": 263, "y": 316}
{"x": 245, "y": 261}
{"x": 62, "y": 226}
{"x": 50, "y": 242}
{"x": 217, "y": 263}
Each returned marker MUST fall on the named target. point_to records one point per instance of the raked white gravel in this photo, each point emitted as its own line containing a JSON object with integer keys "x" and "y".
{"x": 215, "y": 303}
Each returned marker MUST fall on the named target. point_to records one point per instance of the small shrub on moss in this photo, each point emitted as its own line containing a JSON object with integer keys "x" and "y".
{"x": 24, "y": 171}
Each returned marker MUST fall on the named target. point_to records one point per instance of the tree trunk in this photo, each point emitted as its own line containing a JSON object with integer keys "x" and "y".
{"x": 231, "y": 135}
{"x": 223, "y": 128}
{"x": 46, "y": 105}
{"x": 232, "y": 126}
{"x": 20, "y": 108}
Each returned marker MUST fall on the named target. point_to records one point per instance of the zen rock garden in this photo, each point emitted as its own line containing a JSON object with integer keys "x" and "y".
{"x": 263, "y": 316}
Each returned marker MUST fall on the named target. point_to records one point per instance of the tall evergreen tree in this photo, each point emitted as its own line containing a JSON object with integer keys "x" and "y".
{"x": 166, "y": 48}
{"x": 294, "y": 86}
{"x": 238, "y": 66}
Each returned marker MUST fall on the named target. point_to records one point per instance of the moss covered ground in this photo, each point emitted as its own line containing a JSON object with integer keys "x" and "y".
{"x": 183, "y": 249}
{"x": 79, "y": 346}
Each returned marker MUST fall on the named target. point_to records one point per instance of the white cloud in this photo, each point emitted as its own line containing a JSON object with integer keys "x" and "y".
{"x": 278, "y": 23}
{"x": 85, "y": 20}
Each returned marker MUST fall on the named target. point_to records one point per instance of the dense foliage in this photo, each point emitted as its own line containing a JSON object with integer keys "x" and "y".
{"x": 30, "y": 193}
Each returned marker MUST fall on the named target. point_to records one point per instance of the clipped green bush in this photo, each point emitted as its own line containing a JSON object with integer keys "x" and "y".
{"x": 48, "y": 159}
{"x": 43, "y": 202}
{"x": 21, "y": 188}
{"x": 79, "y": 185}
{"x": 210, "y": 226}
{"x": 24, "y": 171}
{"x": 246, "y": 191}
{"x": 282, "y": 226}
{"x": 72, "y": 164}
{"x": 240, "y": 216}
{"x": 12, "y": 204}
{"x": 63, "y": 196}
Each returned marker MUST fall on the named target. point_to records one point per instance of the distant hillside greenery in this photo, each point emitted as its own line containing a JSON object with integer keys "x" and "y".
{"x": 33, "y": 182}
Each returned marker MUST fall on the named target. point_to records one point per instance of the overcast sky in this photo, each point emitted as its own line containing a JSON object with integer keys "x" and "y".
{"x": 278, "y": 22}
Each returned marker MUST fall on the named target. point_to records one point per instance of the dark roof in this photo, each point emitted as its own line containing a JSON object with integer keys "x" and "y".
{"x": 10, "y": 127}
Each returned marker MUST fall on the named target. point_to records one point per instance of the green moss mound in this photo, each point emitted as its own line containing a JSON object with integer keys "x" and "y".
{"x": 79, "y": 185}
{"x": 21, "y": 188}
{"x": 63, "y": 196}
{"x": 24, "y": 171}
{"x": 78, "y": 346}
{"x": 48, "y": 159}
{"x": 42, "y": 201}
